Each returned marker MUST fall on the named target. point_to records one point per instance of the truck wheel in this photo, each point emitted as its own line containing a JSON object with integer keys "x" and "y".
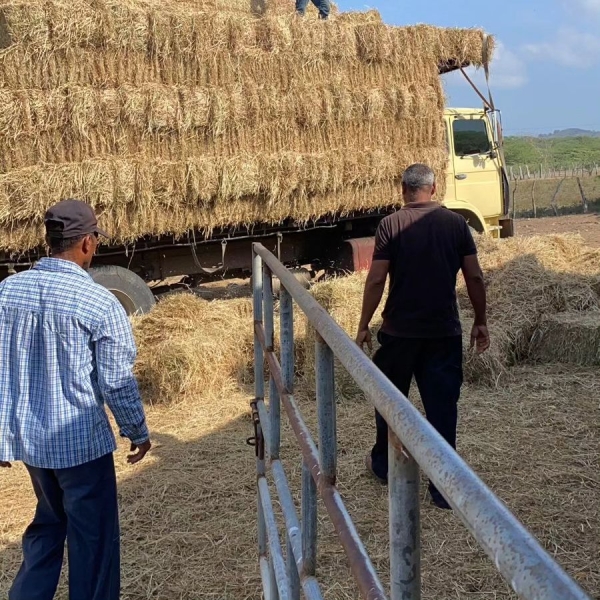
{"x": 130, "y": 289}
{"x": 302, "y": 276}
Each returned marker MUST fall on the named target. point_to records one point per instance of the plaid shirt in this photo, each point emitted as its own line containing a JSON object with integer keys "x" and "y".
{"x": 66, "y": 348}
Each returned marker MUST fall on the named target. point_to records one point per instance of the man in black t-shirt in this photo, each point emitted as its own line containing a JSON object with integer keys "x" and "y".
{"x": 422, "y": 247}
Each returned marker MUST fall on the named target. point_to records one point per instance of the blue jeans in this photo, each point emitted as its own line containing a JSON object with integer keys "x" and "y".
{"x": 323, "y": 6}
{"x": 78, "y": 505}
{"x": 436, "y": 365}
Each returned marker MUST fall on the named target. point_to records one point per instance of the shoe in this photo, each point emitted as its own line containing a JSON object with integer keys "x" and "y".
{"x": 439, "y": 500}
{"x": 369, "y": 465}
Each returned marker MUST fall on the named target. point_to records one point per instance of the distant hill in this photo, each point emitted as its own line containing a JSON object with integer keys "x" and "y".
{"x": 553, "y": 152}
{"x": 567, "y": 133}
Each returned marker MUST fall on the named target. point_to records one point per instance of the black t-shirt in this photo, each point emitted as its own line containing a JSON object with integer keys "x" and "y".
{"x": 425, "y": 244}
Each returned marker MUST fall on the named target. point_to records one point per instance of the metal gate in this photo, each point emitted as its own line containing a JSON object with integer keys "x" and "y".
{"x": 413, "y": 442}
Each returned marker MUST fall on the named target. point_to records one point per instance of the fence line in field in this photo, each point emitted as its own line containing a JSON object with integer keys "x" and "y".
{"x": 523, "y": 172}
{"x": 518, "y": 183}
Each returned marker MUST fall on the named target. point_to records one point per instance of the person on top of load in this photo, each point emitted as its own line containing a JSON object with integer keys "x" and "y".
{"x": 323, "y": 6}
{"x": 422, "y": 247}
{"x": 66, "y": 349}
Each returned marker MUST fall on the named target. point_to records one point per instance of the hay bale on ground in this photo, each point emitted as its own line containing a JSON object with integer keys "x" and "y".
{"x": 187, "y": 345}
{"x": 570, "y": 338}
{"x": 529, "y": 278}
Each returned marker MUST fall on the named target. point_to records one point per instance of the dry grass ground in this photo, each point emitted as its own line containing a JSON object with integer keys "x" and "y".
{"x": 188, "y": 512}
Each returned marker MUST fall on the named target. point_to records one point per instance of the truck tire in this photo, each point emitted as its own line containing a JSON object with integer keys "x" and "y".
{"x": 130, "y": 289}
{"x": 302, "y": 276}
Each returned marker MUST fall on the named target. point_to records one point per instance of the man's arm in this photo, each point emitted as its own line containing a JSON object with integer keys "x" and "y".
{"x": 476, "y": 289}
{"x": 115, "y": 354}
{"x": 372, "y": 297}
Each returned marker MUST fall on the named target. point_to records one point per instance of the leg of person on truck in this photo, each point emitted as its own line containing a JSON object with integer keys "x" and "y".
{"x": 323, "y": 6}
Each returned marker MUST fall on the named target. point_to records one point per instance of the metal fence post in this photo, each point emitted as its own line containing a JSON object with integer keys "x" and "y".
{"x": 266, "y": 569}
{"x": 325, "y": 388}
{"x": 286, "y": 340}
{"x": 293, "y": 575}
{"x": 257, "y": 289}
{"x": 405, "y": 526}
{"x": 286, "y": 316}
{"x": 274, "y": 400}
{"x": 266, "y": 563}
{"x": 309, "y": 521}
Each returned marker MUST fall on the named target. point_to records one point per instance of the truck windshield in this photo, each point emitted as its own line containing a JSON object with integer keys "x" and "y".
{"x": 470, "y": 137}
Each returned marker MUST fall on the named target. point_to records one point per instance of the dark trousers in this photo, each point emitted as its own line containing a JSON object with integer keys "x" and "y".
{"x": 78, "y": 505}
{"x": 323, "y": 6}
{"x": 437, "y": 367}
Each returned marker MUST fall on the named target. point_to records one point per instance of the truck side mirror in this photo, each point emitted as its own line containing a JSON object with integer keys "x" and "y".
{"x": 493, "y": 154}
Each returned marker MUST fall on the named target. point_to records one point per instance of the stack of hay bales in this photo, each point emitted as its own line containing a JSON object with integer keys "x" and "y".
{"x": 176, "y": 115}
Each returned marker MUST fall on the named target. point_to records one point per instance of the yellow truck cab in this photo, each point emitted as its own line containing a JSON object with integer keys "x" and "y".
{"x": 476, "y": 182}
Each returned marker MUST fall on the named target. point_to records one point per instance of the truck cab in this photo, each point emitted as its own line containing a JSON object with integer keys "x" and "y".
{"x": 476, "y": 182}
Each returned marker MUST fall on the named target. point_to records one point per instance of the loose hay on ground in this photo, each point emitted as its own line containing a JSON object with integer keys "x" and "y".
{"x": 188, "y": 514}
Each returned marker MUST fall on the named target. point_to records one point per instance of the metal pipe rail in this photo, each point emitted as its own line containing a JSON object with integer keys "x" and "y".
{"x": 413, "y": 442}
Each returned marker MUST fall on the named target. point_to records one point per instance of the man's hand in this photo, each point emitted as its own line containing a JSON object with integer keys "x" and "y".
{"x": 480, "y": 338}
{"x": 364, "y": 337}
{"x": 142, "y": 450}
{"x": 5, "y": 465}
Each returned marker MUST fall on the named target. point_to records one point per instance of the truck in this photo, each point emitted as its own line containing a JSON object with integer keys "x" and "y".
{"x": 476, "y": 188}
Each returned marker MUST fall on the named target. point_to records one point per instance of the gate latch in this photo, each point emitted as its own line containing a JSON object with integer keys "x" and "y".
{"x": 257, "y": 440}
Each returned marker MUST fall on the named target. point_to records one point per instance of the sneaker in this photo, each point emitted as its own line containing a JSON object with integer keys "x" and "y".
{"x": 369, "y": 465}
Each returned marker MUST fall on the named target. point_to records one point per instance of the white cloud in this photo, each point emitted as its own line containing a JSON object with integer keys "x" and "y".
{"x": 507, "y": 71}
{"x": 591, "y": 7}
{"x": 570, "y": 48}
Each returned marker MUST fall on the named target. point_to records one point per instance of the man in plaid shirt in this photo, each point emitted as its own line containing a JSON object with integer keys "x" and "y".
{"x": 66, "y": 350}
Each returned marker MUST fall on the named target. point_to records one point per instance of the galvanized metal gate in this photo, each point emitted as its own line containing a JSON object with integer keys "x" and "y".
{"x": 530, "y": 571}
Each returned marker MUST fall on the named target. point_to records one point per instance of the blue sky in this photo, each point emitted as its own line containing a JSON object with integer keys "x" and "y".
{"x": 546, "y": 74}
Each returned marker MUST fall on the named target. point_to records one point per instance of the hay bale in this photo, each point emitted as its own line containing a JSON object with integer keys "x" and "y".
{"x": 152, "y": 197}
{"x": 169, "y": 116}
{"x": 75, "y": 123}
{"x": 569, "y": 338}
{"x": 530, "y": 278}
{"x": 187, "y": 344}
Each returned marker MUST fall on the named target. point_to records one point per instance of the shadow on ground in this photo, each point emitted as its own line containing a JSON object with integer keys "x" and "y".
{"x": 188, "y": 514}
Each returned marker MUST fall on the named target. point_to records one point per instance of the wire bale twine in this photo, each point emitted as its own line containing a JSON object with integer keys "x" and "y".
{"x": 177, "y": 115}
